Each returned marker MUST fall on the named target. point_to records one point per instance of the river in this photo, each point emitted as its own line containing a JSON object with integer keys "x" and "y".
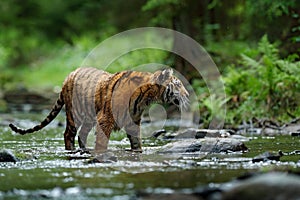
{"x": 46, "y": 170}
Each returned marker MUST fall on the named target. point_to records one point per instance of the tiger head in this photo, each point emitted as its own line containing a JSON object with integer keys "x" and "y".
{"x": 174, "y": 91}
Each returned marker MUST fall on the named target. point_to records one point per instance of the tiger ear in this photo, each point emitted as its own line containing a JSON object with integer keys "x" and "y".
{"x": 159, "y": 77}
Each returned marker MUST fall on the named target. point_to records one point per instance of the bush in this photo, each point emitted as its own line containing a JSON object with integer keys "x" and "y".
{"x": 264, "y": 85}
{"x": 261, "y": 85}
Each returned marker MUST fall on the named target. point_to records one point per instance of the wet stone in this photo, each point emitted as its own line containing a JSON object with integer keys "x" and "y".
{"x": 295, "y": 134}
{"x": 274, "y": 130}
{"x": 197, "y": 133}
{"x": 207, "y": 145}
{"x": 7, "y": 156}
{"x": 158, "y": 133}
{"x": 266, "y": 156}
{"x": 184, "y": 134}
{"x": 267, "y": 186}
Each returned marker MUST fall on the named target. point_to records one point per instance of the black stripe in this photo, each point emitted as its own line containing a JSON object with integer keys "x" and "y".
{"x": 167, "y": 94}
{"x": 140, "y": 97}
{"x": 136, "y": 102}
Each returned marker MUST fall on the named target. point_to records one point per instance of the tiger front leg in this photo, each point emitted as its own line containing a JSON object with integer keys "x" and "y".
{"x": 133, "y": 134}
{"x": 102, "y": 137}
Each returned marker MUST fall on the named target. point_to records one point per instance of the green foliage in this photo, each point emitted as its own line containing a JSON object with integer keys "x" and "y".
{"x": 275, "y": 13}
{"x": 49, "y": 71}
{"x": 139, "y": 60}
{"x": 261, "y": 85}
{"x": 210, "y": 105}
{"x": 272, "y": 8}
{"x": 42, "y": 41}
{"x": 226, "y": 52}
{"x": 45, "y": 71}
{"x": 164, "y": 10}
{"x": 265, "y": 85}
{"x": 153, "y": 4}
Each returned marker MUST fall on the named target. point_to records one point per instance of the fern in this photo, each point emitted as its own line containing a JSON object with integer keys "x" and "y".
{"x": 267, "y": 49}
{"x": 265, "y": 85}
{"x": 247, "y": 61}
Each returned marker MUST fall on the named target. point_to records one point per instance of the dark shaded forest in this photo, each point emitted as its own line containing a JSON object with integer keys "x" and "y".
{"x": 255, "y": 45}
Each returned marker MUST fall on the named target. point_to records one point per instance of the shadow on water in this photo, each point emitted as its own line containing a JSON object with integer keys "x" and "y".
{"x": 46, "y": 170}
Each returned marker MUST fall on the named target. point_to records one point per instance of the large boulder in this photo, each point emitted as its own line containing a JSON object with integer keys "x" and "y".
{"x": 204, "y": 145}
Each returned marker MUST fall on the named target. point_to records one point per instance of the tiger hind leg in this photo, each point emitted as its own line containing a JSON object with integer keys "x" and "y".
{"x": 83, "y": 134}
{"x": 70, "y": 133}
{"x": 69, "y": 137}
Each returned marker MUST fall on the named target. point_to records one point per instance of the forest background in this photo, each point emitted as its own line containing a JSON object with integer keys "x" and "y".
{"x": 255, "y": 44}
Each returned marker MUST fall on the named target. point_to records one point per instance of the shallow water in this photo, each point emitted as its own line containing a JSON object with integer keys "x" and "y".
{"x": 46, "y": 170}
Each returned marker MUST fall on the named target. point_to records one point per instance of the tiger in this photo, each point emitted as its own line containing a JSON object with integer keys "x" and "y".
{"x": 106, "y": 101}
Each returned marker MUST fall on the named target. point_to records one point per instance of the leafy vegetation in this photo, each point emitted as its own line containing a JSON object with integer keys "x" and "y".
{"x": 43, "y": 41}
{"x": 262, "y": 85}
{"x": 265, "y": 86}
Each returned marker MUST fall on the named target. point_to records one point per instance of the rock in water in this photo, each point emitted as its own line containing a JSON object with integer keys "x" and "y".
{"x": 192, "y": 133}
{"x": 267, "y": 186}
{"x": 266, "y": 156}
{"x": 206, "y": 145}
{"x": 7, "y": 156}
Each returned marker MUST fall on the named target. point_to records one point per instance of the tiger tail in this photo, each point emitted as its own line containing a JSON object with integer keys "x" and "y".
{"x": 54, "y": 112}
